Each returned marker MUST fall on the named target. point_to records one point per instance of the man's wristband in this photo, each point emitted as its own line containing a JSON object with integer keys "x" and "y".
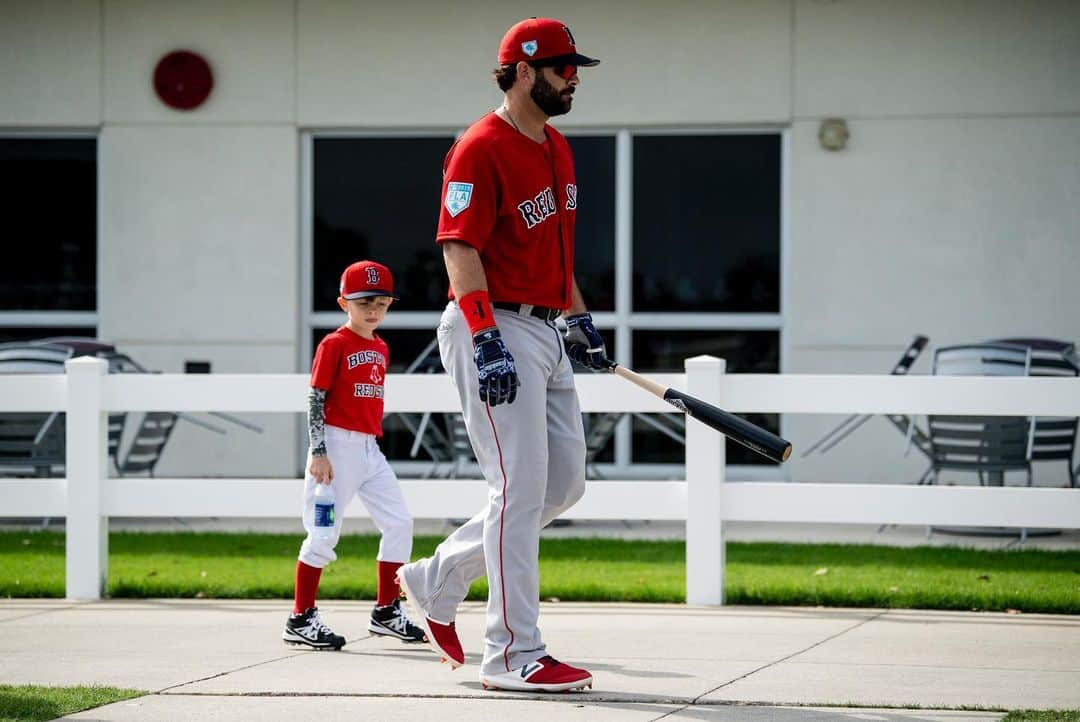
{"x": 476, "y": 307}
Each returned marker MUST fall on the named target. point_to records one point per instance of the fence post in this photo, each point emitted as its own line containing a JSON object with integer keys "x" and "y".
{"x": 87, "y": 552}
{"x": 704, "y": 480}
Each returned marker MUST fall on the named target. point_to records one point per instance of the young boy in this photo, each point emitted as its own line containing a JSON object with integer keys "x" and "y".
{"x": 345, "y": 409}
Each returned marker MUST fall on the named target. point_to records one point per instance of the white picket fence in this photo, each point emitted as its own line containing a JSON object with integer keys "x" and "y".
{"x": 87, "y": 497}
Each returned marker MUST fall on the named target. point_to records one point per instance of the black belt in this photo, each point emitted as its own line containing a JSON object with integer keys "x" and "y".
{"x": 526, "y": 309}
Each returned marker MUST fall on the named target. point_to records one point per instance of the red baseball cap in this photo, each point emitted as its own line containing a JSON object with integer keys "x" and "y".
{"x": 541, "y": 39}
{"x": 366, "y": 278}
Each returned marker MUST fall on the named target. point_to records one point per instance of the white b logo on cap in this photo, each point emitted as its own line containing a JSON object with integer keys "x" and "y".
{"x": 529, "y": 47}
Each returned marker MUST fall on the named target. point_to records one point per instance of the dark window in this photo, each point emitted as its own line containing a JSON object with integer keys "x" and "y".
{"x": 707, "y": 223}
{"x": 378, "y": 198}
{"x": 594, "y": 234}
{"x": 48, "y": 200}
{"x": 756, "y": 352}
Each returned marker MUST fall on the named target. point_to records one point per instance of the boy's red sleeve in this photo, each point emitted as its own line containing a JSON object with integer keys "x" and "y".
{"x": 327, "y": 361}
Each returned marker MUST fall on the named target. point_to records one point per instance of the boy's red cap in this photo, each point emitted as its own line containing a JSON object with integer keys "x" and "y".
{"x": 366, "y": 278}
{"x": 537, "y": 39}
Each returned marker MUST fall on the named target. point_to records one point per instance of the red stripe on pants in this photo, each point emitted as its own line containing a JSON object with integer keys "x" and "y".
{"x": 502, "y": 519}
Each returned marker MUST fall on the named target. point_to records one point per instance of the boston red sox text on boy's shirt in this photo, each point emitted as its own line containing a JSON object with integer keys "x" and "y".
{"x": 352, "y": 369}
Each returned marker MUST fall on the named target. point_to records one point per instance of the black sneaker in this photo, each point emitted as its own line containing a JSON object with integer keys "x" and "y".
{"x": 308, "y": 629}
{"x": 390, "y": 621}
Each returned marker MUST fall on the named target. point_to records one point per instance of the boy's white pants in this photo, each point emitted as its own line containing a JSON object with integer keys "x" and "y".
{"x": 360, "y": 469}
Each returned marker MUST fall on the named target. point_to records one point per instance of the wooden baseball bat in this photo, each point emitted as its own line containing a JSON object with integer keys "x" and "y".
{"x": 737, "y": 429}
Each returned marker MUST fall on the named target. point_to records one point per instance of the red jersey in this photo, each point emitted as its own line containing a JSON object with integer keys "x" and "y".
{"x": 515, "y": 201}
{"x": 352, "y": 370}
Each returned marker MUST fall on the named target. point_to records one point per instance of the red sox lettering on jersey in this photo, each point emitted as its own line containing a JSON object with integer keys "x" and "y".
{"x": 537, "y": 210}
{"x": 365, "y": 357}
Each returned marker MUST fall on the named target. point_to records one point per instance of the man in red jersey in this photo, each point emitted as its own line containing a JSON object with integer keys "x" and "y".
{"x": 507, "y": 232}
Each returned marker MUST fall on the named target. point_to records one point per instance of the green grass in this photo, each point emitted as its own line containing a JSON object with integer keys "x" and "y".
{"x": 1034, "y": 715}
{"x": 28, "y": 703}
{"x": 911, "y": 578}
{"x": 254, "y": 566}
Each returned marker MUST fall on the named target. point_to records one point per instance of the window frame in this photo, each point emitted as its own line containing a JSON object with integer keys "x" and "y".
{"x": 622, "y": 321}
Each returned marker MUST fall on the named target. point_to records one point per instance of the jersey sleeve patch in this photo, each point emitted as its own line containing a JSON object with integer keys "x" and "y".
{"x": 458, "y": 197}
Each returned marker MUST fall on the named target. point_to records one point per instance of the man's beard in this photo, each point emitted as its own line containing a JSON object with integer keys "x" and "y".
{"x": 550, "y": 101}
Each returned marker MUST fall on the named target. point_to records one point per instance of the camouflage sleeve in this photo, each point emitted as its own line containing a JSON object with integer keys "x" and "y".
{"x": 317, "y": 421}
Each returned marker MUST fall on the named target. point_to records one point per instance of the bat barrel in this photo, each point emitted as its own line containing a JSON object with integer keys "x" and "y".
{"x": 735, "y": 428}
{"x": 740, "y": 430}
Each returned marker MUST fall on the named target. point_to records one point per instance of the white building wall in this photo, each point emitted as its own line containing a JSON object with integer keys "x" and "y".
{"x": 199, "y": 228}
{"x": 927, "y": 58}
{"x": 50, "y": 64}
{"x": 953, "y": 212}
{"x": 250, "y": 45}
{"x": 427, "y": 64}
{"x": 207, "y": 274}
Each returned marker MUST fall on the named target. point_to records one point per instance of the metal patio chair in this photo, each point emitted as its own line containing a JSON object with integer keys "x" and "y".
{"x": 988, "y": 446}
{"x": 43, "y": 451}
{"x": 442, "y": 436}
{"x": 32, "y": 443}
{"x": 1055, "y": 437}
{"x": 902, "y": 422}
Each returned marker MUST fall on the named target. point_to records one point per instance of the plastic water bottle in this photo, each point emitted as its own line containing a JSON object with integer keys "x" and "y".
{"x": 324, "y": 511}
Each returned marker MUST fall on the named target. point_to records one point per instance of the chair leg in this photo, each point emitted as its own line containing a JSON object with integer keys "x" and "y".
{"x": 933, "y": 480}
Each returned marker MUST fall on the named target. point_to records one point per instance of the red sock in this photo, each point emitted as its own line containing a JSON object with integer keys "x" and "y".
{"x": 388, "y": 589}
{"x": 307, "y": 584}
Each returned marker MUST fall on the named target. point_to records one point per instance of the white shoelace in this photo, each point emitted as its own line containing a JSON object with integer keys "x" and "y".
{"x": 400, "y": 623}
{"x": 317, "y": 624}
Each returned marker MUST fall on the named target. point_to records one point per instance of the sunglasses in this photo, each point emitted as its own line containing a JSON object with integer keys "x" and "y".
{"x": 563, "y": 70}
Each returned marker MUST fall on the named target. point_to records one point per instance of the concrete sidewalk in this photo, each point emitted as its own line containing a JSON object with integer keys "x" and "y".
{"x": 224, "y": 660}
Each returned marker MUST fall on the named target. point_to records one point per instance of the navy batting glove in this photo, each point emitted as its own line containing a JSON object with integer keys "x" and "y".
{"x": 584, "y": 343}
{"x": 494, "y": 368}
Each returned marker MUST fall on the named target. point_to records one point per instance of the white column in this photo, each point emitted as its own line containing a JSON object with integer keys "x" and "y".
{"x": 87, "y": 558}
{"x": 704, "y": 481}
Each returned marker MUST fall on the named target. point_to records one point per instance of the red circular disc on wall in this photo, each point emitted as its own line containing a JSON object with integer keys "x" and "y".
{"x": 183, "y": 80}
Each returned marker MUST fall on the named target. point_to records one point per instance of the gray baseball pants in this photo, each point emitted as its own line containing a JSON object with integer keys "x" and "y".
{"x": 532, "y": 454}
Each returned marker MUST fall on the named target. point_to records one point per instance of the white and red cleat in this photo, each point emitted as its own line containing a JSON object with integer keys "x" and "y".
{"x": 544, "y": 675}
{"x": 441, "y": 636}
